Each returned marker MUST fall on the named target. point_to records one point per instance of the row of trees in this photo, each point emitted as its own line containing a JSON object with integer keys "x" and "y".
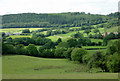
{"x": 107, "y": 61}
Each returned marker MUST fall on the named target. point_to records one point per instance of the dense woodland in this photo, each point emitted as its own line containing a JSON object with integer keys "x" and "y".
{"x": 70, "y": 19}
{"x": 70, "y": 49}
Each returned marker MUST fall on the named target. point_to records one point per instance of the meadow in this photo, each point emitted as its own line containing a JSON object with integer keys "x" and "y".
{"x": 15, "y": 30}
{"x": 28, "y": 67}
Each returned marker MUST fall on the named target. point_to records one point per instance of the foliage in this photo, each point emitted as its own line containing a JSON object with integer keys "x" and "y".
{"x": 114, "y": 62}
{"x": 67, "y": 53}
{"x": 59, "y": 52}
{"x": 20, "y": 49}
{"x": 26, "y": 31}
{"x": 96, "y": 60}
{"x": 27, "y": 20}
{"x": 113, "y": 46}
{"x": 77, "y": 54}
{"x": 32, "y": 50}
{"x": 72, "y": 42}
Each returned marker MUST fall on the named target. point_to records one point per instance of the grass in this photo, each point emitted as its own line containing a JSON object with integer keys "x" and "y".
{"x": 27, "y": 67}
{"x": 97, "y": 40}
{"x": 112, "y": 29}
{"x": 53, "y": 38}
{"x": 14, "y": 30}
{"x": 93, "y": 51}
{"x": 20, "y": 36}
{"x": 93, "y": 46}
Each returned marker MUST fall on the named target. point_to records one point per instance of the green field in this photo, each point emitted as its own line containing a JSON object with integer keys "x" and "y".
{"x": 20, "y": 36}
{"x": 14, "y": 30}
{"x": 112, "y": 29}
{"x": 27, "y": 67}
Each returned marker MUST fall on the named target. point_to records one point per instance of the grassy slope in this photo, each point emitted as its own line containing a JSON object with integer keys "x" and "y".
{"x": 19, "y": 36}
{"x": 112, "y": 29}
{"x": 14, "y": 30}
{"x": 26, "y": 67}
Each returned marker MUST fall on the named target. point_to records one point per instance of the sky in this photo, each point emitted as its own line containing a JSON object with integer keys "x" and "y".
{"x": 58, "y": 6}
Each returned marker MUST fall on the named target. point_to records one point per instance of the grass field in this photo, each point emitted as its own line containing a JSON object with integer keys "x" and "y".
{"x": 112, "y": 29}
{"x": 14, "y": 30}
{"x": 27, "y": 67}
{"x": 92, "y": 51}
{"x": 93, "y": 46}
{"x": 20, "y": 36}
{"x": 96, "y": 40}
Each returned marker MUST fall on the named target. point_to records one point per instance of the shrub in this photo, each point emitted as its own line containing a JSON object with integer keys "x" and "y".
{"x": 113, "y": 46}
{"x": 113, "y": 63}
{"x": 32, "y": 50}
{"x": 96, "y": 60}
{"x": 20, "y": 49}
{"x": 59, "y": 52}
{"x": 26, "y": 31}
{"x": 86, "y": 58}
{"x": 67, "y": 53}
{"x": 77, "y": 54}
{"x": 48, "y": 53}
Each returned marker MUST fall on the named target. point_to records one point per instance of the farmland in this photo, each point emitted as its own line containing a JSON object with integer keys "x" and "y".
{"x": 28, "y": 67}
{"x": 60, "y": 46}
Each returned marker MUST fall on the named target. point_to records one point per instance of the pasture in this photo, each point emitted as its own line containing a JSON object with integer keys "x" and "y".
{"x": 15, "y": 30}
{"x": 112, "y": 29}
{"x": 20, "y": 36}
{"x": 27, "y": 67}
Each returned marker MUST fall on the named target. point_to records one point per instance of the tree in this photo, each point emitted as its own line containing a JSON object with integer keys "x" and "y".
{"x": 7, "y": 49}
{"x": 78, "y": 35}
{"x": 96, "y": 60}
{"x": 26, "y": 31}
{"x": 3, "y": 34}
{"x": 113, "y": 46}
{"x": 59, "y": 52}
{"x": 49, "y": 45}
{"x": 87, "y": 31}
{"x": 96, "y": 30}
{"x": 67, "y": 53}
{"x": 111, "y": 35}
{"x": 113, "y": 63}
{"x": 47, "y": 53}
{"x": 20, "y": 49}
{"x": 63, "y": 44}
{"x": 77, "y": 54}
{"x": 72, "y": 42}
{"x": 58, "y": 41}
{"x": 32, "y": 50}
{"x": 105, "y": 40}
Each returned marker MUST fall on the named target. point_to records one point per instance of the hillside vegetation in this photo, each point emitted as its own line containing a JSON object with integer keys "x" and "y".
{"x": 43, "y": 68}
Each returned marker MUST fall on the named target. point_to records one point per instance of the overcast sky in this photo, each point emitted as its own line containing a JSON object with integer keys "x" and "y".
{"x": 58, "y": 6}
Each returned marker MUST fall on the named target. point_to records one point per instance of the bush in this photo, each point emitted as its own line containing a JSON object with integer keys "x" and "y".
{"x": 96, "y": 60}
{"x": 113, "y": 63}
{"x": 72, "y": 42}
{"x": 67, "y": 53}
{"x": 26, "y": 31}
{"x": 63, "y": 44}
{"x": 113, "y": 46}
{"x": 48, "y": 53}
{"x": 20, "y": 49}
{"x": 32, "y": 50}
{"x": 86, "y": 58}
{"x": 59, "y": 52}
{"x": 77, "y": 54}
{"x": 8, "y": 49}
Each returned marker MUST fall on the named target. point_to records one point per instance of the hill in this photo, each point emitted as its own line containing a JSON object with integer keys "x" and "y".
{"x": 70, "y": 19}
{"x": 27, "y": 67}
